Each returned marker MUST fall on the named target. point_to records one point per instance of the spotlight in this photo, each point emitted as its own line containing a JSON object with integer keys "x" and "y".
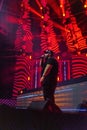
{"x": 61, "y": 6}
{"x": 42, "y": 17}
{"x": 41, "y": 8}
{"x": 85, "y": 6}
{"x": 58, "y": 57}
{"x": 23, "y": 91}
{"x": 29, "y": 78}
{"x": 64, "y": 15}
{"x": 58, "y": 79}
{"x": 30, "y": 57}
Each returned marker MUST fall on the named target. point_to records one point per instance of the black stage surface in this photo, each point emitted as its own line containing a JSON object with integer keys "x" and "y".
{"x": 29, "y": 119}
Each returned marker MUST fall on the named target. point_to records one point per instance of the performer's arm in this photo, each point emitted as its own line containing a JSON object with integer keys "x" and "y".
{"x": 42, "y": 60}
{"x": 46, "y": 72}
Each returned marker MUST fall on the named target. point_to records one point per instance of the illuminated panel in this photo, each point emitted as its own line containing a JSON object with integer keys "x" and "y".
{"x": 64, "y": 70}
{"x": 23, "y": 39}
{"x": 79, "y": 66}
{"x": 48, "y": 36}
{"x": 22, "y": 74}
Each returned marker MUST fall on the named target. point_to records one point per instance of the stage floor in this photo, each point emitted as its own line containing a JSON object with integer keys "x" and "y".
{"x": 27, "y": 119}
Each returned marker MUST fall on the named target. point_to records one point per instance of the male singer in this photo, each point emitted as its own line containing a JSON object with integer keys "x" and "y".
{"x": 49, "y": 74}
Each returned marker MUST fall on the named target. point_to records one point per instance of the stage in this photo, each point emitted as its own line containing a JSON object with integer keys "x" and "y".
{"x": 68, "y": 96}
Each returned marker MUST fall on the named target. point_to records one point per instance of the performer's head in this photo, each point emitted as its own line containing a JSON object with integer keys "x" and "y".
{"x": 48, "y": 53}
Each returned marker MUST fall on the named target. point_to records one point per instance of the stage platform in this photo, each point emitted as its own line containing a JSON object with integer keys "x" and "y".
{"x": 67, "y": 96}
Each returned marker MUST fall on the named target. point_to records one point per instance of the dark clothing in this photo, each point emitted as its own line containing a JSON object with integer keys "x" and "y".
{"x": 50, "y": 81}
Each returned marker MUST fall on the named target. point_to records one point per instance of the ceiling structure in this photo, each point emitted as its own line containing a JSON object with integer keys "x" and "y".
{"x": 50, "y": 24}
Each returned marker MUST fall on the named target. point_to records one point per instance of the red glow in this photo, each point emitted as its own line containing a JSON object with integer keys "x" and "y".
{"x": 29, "y": 78}
{"x": 30, "y": 57}
{"x": 62, "y": 7}
{"x": 58, "y": 79}
{"x": 22, "y": 4}
{"x": 55, "y": 7}
{"x": 79, "y": 66}
{"x": 42, "y": 17}
{"x": 11, "y": 19}
{"x": 34, "y": 11}
{"x": 64, "y": 14}
{"x": 21, "y": 92}
{"x": 24, "y": 47}
{"x": 43, "y": 26}
{"x": 39, "y": 4}
{"x": 41, "y": 7}
{"x": 58, "y": 57}
{"x": 85, "y": 6}
{"x": 60, "y": 27}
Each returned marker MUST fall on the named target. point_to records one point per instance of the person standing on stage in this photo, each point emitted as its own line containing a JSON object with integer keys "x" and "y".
{"x": 49, "y": 74}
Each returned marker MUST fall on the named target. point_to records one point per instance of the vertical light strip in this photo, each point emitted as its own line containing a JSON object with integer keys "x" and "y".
{"x": 64, "y": 68}
{"x": 36, "y": 73}
{"x": 69, "y": 66}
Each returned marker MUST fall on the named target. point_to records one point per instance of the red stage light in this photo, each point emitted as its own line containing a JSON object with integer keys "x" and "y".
{"x": 29, "y": 78}
{"x": 58, "y": 57}
{"x": 41, "y": 7}
{"x": 64, "y": 15}
{"x": 61, "y": 6}
{"x": 22, "y": 5}
{"x": 85, "y": 6}
{"x": 42, "y": 17}
{"x": 30, "y": 57}
{"x": 58, "y": 79}
{"x": 21, "y": 92}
